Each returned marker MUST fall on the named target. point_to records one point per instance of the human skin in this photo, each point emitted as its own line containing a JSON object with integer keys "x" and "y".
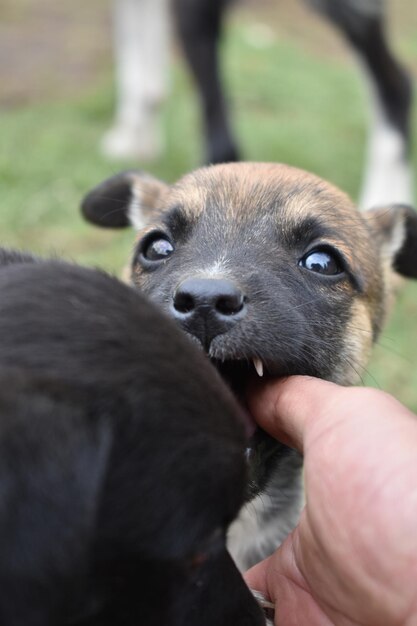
{"x": 352, "y": 559}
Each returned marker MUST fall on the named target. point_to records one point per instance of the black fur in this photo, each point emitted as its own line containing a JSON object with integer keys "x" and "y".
{"x": 405, "y": 260}
{"x": 121, "y": 460}
{"x": 364, "y": 30}
{"x": 113, "y": 191}
{"x": 199, "y": 25}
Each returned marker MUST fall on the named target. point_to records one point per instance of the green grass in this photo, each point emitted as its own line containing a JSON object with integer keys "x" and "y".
{"x": 304, "y": 110}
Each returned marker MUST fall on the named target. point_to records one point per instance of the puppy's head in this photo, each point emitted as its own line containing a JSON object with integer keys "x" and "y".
{"x": 270, "y": 269}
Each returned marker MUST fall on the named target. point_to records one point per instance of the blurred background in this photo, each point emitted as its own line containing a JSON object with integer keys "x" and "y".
{"x": 296, "y": 97}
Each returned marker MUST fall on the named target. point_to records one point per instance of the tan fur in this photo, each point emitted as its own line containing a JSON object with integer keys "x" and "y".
{"x": 239, "y": 189}
{"x": 357, "y": 345}
{"x": 389, "y": 231}
{"x": 235, "y": 184}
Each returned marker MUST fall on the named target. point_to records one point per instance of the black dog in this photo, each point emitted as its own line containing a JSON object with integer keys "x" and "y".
{"x": 141, "y": 41}
{"x": 362, "y": 23}
{"x": 121, "y": 460}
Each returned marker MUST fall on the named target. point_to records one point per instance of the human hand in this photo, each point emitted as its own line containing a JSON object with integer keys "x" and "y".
{"x": 352, "y": 560}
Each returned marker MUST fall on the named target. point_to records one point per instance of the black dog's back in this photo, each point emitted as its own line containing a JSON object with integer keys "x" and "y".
{"x": 120, "y": 467}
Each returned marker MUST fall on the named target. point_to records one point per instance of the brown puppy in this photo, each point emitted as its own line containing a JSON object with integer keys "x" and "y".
{"x": 272, "y": 271}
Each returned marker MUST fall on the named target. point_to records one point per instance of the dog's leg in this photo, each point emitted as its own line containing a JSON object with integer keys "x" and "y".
{"x": 199, "y": 26}
{"x": 388, "y": 174}
{"x": 141, "y": 39}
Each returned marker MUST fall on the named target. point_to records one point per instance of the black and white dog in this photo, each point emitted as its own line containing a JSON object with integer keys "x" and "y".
{"x": 141, "y": 42}
{"x": 121, "y": 460}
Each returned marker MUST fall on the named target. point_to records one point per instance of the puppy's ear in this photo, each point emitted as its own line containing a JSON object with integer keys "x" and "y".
{"x": 126, "y": 199}
{"x": 395, "y": 228}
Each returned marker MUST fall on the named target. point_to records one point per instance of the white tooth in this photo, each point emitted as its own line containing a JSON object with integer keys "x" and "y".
{"x": 258, "y": 365}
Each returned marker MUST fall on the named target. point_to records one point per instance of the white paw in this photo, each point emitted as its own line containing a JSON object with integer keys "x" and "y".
{"x": 126, "y": 142}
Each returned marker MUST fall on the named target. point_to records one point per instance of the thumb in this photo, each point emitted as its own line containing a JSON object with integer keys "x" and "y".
{"x": 280, "y": 566}
{"x": 257, "y": 577}
{"x": 281, "y": 582}
{"x": 285, "y": 408}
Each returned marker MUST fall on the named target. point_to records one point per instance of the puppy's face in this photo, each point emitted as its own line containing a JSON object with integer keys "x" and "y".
{"x": 270, "y": 269}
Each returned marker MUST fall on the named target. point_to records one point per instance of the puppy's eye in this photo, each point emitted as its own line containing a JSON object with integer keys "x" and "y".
{"x": 157, "y": 247}
{"x": 322, "y": 262}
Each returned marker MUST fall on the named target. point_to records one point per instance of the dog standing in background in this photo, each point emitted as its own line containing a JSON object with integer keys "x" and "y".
{"x": 141, "y": 36}
{"x": 121, "y": 460}
{"x": 271, "y": 271}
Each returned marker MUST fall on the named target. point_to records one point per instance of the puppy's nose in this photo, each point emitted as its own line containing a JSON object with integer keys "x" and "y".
{"x": 207, "y": 307}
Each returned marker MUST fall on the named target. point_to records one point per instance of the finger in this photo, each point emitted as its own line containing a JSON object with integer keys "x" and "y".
{"x": 256, "y": 577}
{"x": 281, "y": 583}
{"x": 286, "y": 407}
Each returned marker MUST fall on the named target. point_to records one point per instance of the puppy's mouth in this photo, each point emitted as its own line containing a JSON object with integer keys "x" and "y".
{"x": 237, "y": 374}
{"x": 262, "y": 449}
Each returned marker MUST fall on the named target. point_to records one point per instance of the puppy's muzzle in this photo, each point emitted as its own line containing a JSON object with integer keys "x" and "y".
{"x": 207, "y": 307}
